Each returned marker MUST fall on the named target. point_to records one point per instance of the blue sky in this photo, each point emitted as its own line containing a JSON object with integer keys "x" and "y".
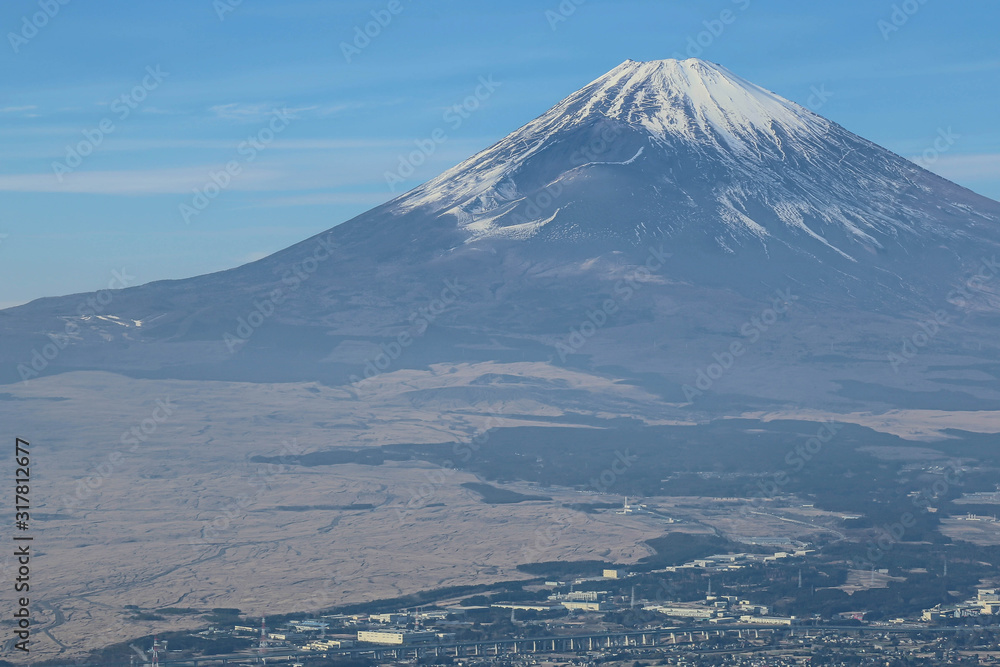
{"x": 161, "y": 96}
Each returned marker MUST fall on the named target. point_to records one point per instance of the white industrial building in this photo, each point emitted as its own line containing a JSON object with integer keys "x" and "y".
{"x": 784, "y": 621}
{"x": 328, "y": 644}
{"x": 309, "y": 626}
{"x": 580, "y": 596}
{"x": 394, "y": 637}
{"x": 681, "y": 610}
{"x": 522, "y": 606}
{"x": 986, "y": 603}
{"x": 391, "y": 618}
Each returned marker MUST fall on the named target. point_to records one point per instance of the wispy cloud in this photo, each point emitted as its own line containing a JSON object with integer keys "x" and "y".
{"x": 318, "y": 144}
{"x": 336, "y": 108}
{"x": 303, "y": 171}
{"x": 29, "y": 107}
{"x": 254, "y": 112}
{"x": 141, "y": 182}
{"x": 326, "y": 199}
{"x": 964, "y": 68}
{"x": 158, "y": 111}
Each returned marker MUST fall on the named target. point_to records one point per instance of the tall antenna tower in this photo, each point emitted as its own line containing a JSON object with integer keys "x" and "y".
{"x": 263, "y": 639}
{"x": 633, "y": 598}
{"x": 800, "y": 578}
{"x": 157, "y": 645}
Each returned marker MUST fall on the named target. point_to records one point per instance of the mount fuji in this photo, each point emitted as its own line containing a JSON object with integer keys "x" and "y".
{"x": 669, "y": 225}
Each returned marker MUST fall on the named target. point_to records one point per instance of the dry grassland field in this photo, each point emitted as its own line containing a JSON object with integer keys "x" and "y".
{"x": 180, "y": 516}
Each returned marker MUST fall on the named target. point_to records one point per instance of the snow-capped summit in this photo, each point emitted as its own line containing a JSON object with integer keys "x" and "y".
{"x": 685, "y": 149}
{"x": 694, "y": 99}
{"x": 672, "y": 100}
